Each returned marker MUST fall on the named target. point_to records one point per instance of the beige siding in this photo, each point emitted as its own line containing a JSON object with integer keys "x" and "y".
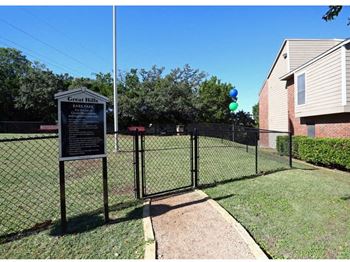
{"x": 278, "y": 97}
{"x": 348, "y": 73}
{"x": 323, "y": 90}
{"x": 302, "y": 51}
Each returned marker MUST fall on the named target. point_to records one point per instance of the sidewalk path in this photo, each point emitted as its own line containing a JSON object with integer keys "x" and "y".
{"x": 187, "y": 226}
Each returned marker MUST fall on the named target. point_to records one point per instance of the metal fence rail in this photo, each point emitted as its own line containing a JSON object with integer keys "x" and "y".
{"x": 144, "y": 165}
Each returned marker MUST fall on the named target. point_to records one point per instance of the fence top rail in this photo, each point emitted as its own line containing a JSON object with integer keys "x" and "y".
{"x": 230, "y": 128}
{"x": 27, "y": 138}
{"x": 26, "y": 122}
{"x": 261, "y": 130}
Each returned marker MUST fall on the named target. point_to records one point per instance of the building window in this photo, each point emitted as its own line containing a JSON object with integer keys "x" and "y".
{"x": 301, "y": 89}
{"x": 311, "y": 130}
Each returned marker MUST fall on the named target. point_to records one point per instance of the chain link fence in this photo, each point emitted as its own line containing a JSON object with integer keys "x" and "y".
{"x": 29, "y": 185}
{"x": 227, "y": 154}
{"x": 153, "y": 163}
{"x": 224, "y": 159}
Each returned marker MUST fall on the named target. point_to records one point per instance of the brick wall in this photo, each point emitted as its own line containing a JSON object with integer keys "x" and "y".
{"x": 263, "y": 114}
{"x": 335, "y": 125}
{"x": 295, "y": 125}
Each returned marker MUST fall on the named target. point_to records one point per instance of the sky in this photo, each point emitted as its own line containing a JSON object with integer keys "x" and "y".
{"x": 238, "y": 44}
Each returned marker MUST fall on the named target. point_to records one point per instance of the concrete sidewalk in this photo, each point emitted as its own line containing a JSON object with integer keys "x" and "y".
{"x": 191, "y": 226}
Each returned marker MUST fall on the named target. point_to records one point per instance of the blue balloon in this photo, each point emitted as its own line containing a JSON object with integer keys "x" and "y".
{"x": 233, "y": 92}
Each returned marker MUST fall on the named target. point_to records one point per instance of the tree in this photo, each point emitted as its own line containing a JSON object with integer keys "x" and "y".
{"x": 13, "y": 66}
{"x": 242, "y": 118}
{"x": 103, "y": 84}
{"x": 149, "y": 96}
{"x": 332, "y": 12}
{"x": 256, "y": 114}
{"x": 213, "y": 101}
{"x": 35, "y": 98}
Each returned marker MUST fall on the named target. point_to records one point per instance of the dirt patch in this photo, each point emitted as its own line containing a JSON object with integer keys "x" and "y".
{"x": 81, "y": 168}
{"x": 126, "y": 190}
{"x": 186, "y": 226}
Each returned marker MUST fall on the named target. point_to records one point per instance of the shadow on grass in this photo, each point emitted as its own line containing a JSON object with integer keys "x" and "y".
{"x": 78, "y": 224}
{"x": 347, "y": 197}
{"x": 37, "y": 228}
{"x": 92, "y": 220}
{"x": 252, "y": 176}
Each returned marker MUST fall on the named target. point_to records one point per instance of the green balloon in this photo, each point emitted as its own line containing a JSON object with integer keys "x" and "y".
{"x": 233, "y": 106}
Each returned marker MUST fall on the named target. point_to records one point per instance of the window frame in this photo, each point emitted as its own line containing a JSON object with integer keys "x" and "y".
{"x": 297, "y": 88}
{"x": 308, "y": 127}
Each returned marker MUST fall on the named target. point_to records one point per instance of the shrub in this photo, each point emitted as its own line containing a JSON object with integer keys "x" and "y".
{"x": 330, "y": 152}
{"x": 282, "y": 145}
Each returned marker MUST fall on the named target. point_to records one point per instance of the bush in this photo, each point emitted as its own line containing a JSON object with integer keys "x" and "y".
{"x": 330, "y": 152}
{"x": 283, "y": 145}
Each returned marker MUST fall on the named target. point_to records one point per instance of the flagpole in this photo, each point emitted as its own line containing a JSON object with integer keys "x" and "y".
{"x": 115, "y": 91}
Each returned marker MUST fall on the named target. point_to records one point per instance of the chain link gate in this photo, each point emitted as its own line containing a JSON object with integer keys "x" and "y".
{"x": 163, "y": 163}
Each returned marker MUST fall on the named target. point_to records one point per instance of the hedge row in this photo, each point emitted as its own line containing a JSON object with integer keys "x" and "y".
{"x": 330, "y": 152}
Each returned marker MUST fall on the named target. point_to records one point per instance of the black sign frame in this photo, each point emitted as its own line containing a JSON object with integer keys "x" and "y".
{"x": 91, "y": 139}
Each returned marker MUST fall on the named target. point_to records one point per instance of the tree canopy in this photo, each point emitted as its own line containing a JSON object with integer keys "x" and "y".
{"x": 182, "y": 95}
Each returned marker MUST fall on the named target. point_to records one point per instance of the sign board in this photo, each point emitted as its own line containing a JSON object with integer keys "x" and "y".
{"x": 82, "y": 124}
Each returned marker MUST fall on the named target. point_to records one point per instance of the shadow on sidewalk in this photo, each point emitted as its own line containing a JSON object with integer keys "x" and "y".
{"x": 160, "y": 209}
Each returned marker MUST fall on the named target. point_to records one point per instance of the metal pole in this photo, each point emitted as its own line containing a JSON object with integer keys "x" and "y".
{"x": 290, "y": 150}
{"x": 233, "y": 132}
{"x": 246, "y": 141}
{"x": 191, "y": 154}
{"x": 115, "y": 91}
{"x": 196, "y": 156}
{"x": 137, "y": 165}
{"x": 256, "y": 152}
{"x": 143, "y": 182}
{"x": 62, "y": 198}
{"x": 105, "y": 189}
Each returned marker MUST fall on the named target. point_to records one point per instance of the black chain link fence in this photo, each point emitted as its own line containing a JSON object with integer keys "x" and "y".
{"x": 29, "y": 170}
{"x": 29, "y": 185}
{"x": 228, "y": 153}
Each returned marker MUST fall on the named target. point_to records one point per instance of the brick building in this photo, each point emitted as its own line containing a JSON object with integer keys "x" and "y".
{"x": 307, "y": 90}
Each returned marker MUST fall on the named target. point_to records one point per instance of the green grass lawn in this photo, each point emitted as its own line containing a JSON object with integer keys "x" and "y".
{"x": 294, "y": 213}
{"x": 90, "y": 238}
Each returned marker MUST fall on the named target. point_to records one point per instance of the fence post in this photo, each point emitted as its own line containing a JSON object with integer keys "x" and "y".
{"x": 196, "y": 155}
{"x": 105, "y": 189}
{"x": 62, "y": 198}
{"x": 290, "y": 150}
{"x": 191, "y": 156}
{"x": 143, "y": 182}
{"x": 222, "y": 136}
{"x": 256, "y": 152}
{"x": 246, "y": 141}
{"x": 137, "y": 164}
{"x": 233, "y": 132}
